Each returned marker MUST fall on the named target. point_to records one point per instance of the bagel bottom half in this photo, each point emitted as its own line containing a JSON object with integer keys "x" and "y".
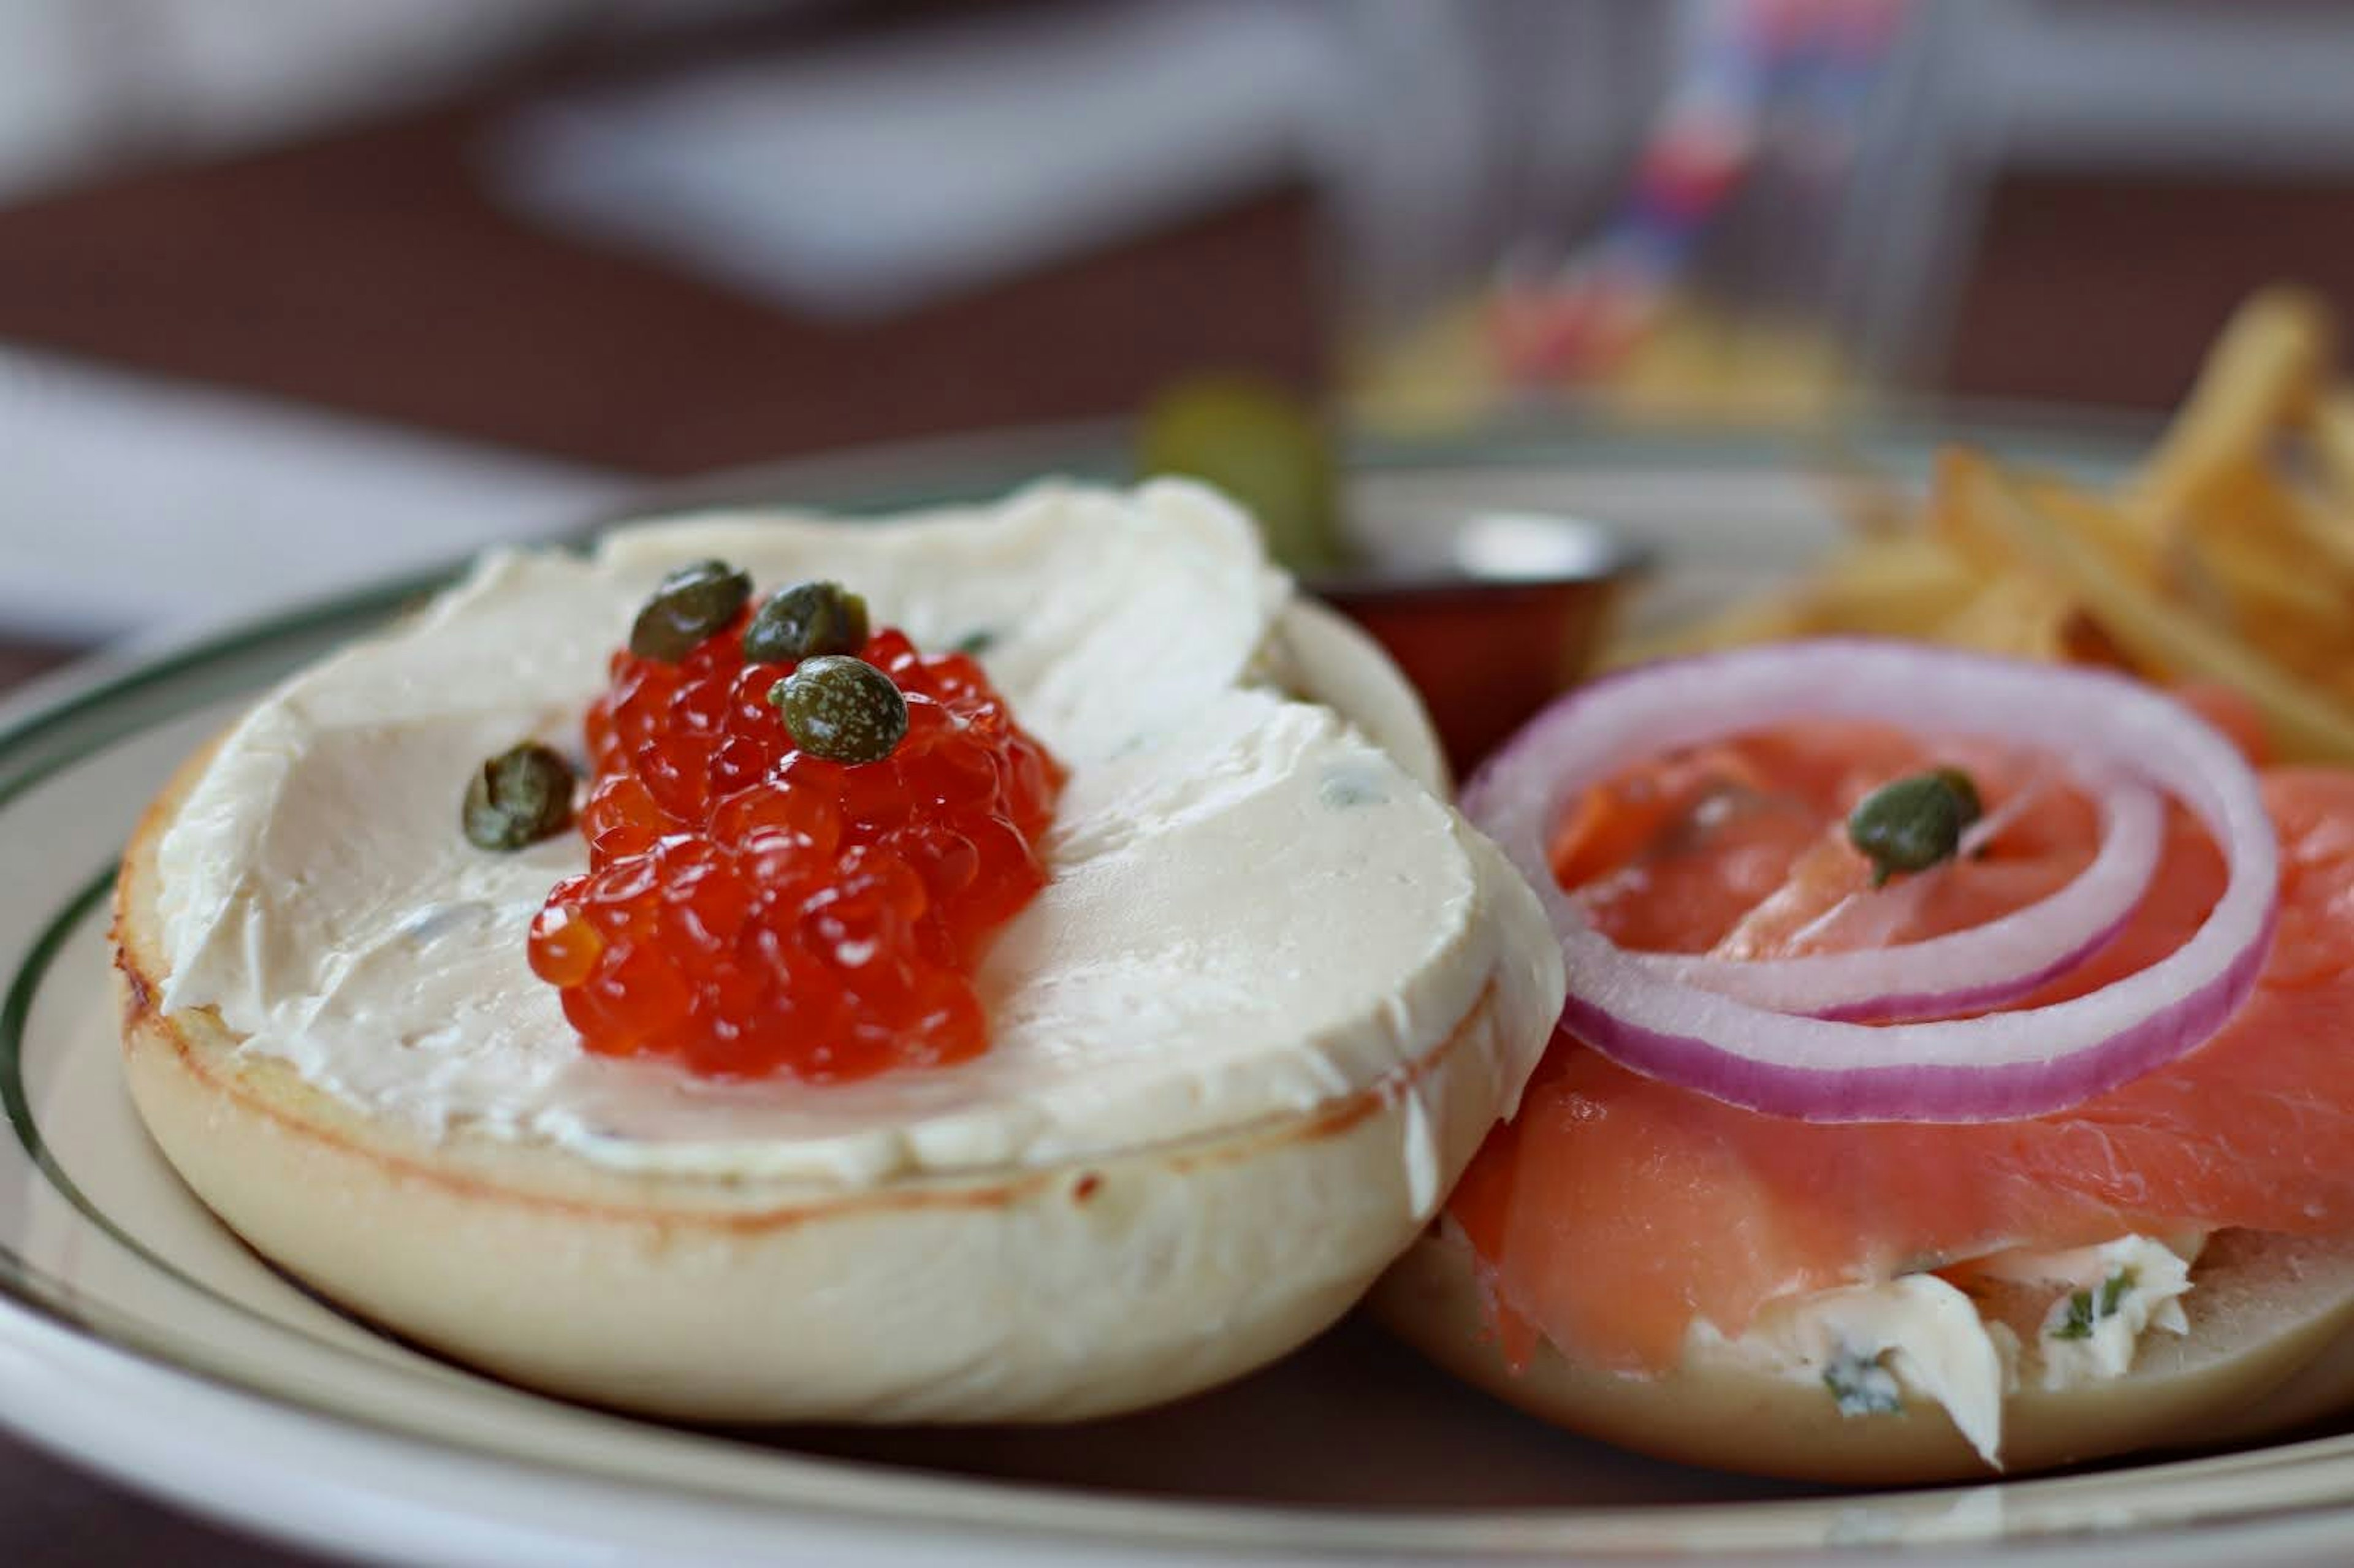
{"x": 1041, "y": 1293}
{"x": 2271, "y": 1348}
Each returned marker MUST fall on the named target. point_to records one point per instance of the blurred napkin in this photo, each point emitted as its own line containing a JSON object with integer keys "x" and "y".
{"x": 131, "y": 505}
{"x": 872, "y": 177}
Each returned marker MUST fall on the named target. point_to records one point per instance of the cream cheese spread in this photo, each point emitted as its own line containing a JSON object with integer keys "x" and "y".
{"x": 1254, "y": 908}
{"x": 2109, "y": 1297}
{"x": 1868, "y": 1345}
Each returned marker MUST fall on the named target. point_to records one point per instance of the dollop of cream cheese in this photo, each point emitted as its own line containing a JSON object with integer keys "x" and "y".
{"x": 1868, "y": 1345}
{"x": 2110, "y": 1295}
{"x": 1254, "y": 909}
{"x": 1864, "y": 1343}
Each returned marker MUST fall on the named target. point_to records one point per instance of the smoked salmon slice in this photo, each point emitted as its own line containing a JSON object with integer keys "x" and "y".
{"x": 1615, "y": 1208}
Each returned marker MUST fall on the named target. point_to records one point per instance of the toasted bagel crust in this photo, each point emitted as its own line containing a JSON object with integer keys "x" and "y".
{"x": 2271, "y": 1347}
{"x": 1034, "y": 1294}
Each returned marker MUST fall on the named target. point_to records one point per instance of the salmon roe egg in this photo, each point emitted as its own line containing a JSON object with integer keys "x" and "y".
{"x": 750, "y": 910}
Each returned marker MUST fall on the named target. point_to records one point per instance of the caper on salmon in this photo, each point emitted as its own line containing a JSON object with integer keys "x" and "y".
{"x": 805, "y": 622}
{"x": 842, "y": 709}
{"x": 687, "y": 607}
{"x": 519, "y": 797}
{"x": 1914, "y": 822}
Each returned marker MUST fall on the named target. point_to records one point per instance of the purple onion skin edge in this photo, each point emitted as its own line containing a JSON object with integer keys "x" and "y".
{"x": 1944, "y": 1094}
{"x": 1559, "y": 711}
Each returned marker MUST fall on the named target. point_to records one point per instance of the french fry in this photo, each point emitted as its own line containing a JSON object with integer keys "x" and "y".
{"x": 2023, "y": 616}
{"x": 2305, "y": 722}
{"x": 2326, "y": 530}
{"x": 2101, "y": 525}
{"x": 2230, "y": 555}
{"x": 2331, "y": 429}
{"x": 2265, "y": 373}
{"x": 1890, "y": 587}
{"x": 1945, "y": 517}
{"x": 2276, "y": 604}
{"x": 2256, "y": 509}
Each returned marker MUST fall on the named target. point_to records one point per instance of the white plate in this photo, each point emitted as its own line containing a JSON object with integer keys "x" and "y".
{"x": 138, "y": 1336}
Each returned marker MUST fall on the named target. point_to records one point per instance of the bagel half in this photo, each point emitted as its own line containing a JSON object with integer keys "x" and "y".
{"x": 1033, "y": 1293}
{"x": 2271, "y": 1348}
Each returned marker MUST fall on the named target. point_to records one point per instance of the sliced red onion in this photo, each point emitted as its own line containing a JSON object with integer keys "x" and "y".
{"x": 1993, "y": 1067}
{"x": 1960, "y": 971}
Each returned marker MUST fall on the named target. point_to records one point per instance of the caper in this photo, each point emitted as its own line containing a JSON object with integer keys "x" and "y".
{"x": 805, "y": 620}
{"x": 1913, "y": 823}
{"x": 688, "y": 606}
{"x": 1966, "y": 793}
{"x": 519, "y": 797}
{"x": 842, "y": 709}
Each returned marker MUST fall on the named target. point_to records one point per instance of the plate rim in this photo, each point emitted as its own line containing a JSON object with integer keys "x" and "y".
{"x": 37, "y": 741}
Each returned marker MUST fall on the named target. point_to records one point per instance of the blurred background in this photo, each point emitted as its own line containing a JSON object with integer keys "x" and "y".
{"x": 291, "y": 295}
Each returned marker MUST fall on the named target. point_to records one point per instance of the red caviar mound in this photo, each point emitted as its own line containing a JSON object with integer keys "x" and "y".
{"x": 752, "y": 910}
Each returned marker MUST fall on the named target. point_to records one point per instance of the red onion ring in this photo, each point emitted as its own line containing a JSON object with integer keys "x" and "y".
{"x": 1994, "y": 1067}
{"x": 1960, "y": 971}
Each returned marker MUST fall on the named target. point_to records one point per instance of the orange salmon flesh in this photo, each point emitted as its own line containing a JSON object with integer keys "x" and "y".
{"x": 1615, "y": 1208}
